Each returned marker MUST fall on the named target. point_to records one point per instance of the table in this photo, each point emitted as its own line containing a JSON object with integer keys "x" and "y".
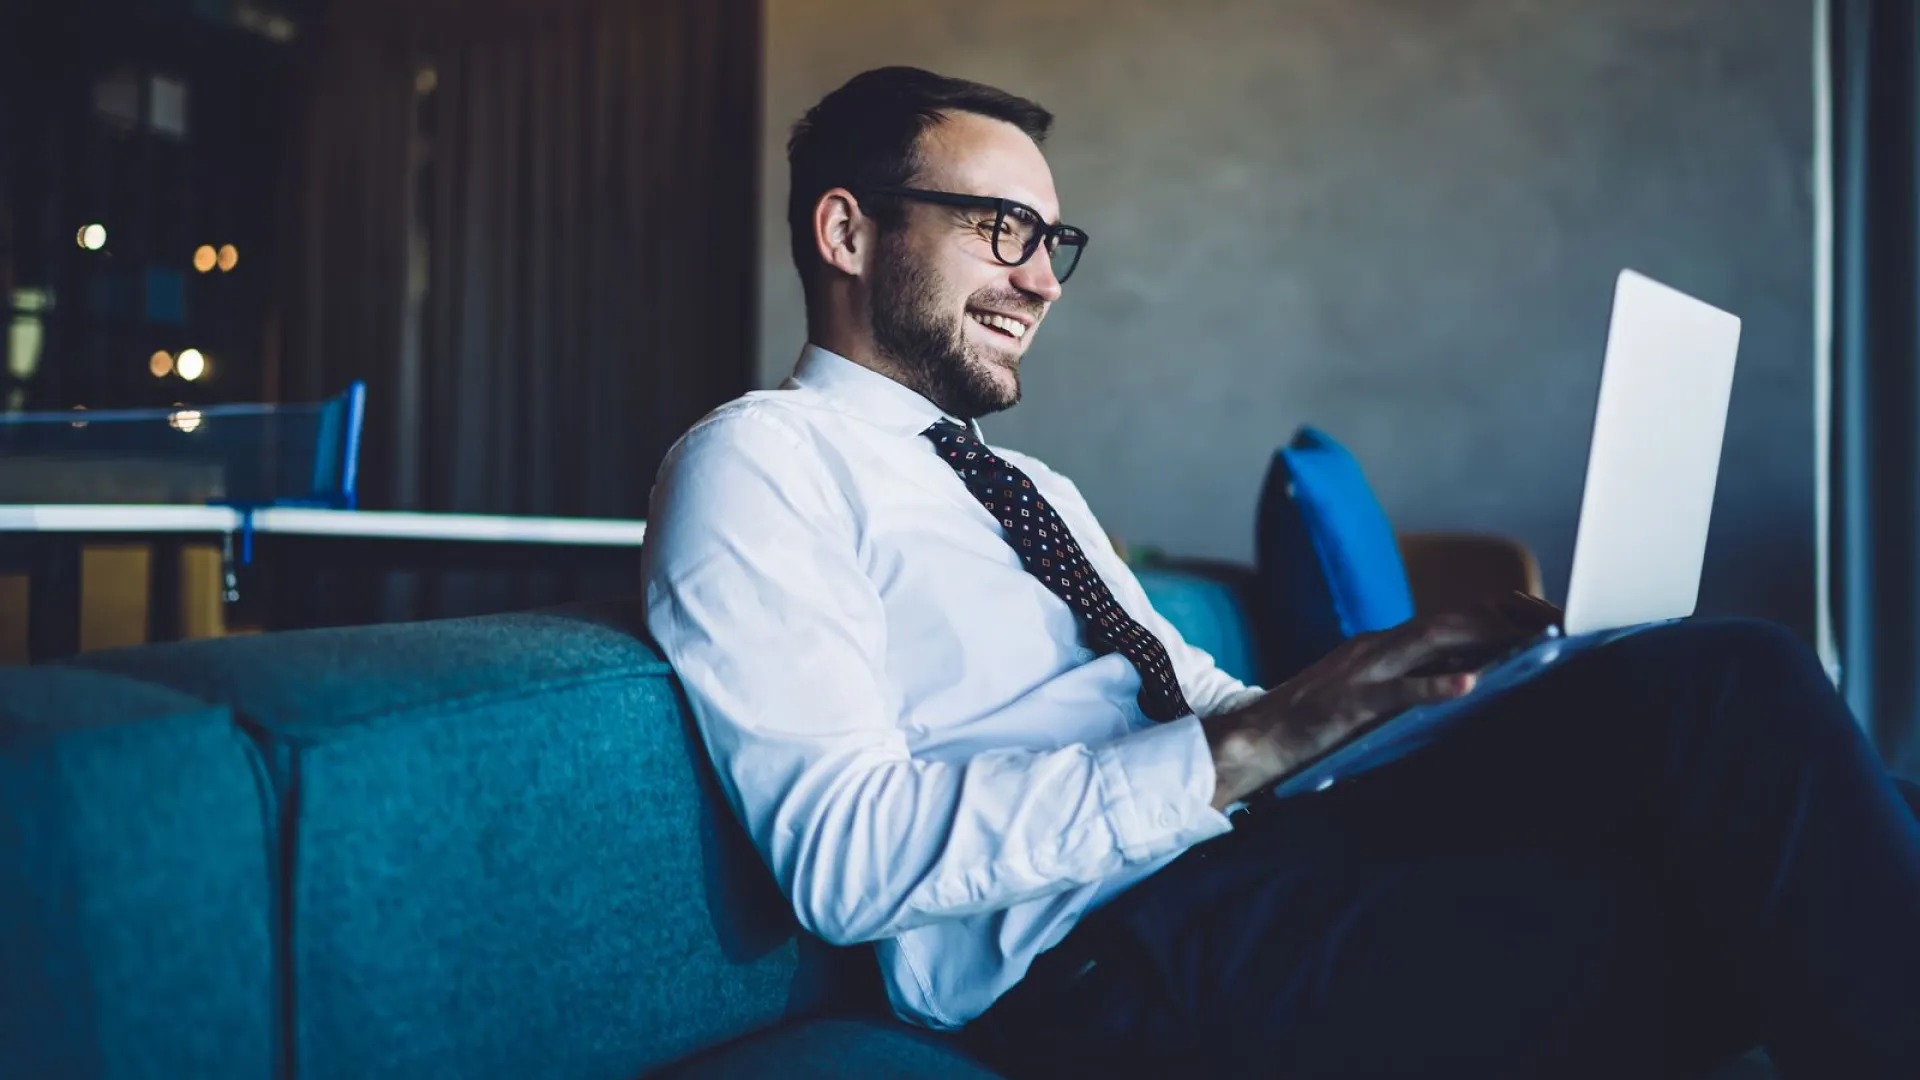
{"x": 45, "y": 541}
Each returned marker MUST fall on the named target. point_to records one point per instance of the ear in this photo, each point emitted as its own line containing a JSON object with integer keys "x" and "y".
{"x": 842, "y": 234}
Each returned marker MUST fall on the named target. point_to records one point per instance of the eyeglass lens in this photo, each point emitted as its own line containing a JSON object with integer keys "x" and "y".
{"x": 1017, "y": 234}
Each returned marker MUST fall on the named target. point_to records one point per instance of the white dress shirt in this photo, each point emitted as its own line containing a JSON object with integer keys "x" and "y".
{"x": 907, "y": 722}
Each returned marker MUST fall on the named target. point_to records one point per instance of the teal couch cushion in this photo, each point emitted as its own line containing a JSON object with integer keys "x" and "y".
{"x": 503, "y": 860}
{"x": 134, "y": 884}
{"x": 1328, "y": 559}
{"x": 1209, "y": 612}
{"x": 834, "y": 1049}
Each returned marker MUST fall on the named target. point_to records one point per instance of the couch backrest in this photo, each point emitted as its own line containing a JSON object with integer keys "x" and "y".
{"x": 134, "y": 887}
{"x": 495, "y": 849}
{"x": 473, "y": 847}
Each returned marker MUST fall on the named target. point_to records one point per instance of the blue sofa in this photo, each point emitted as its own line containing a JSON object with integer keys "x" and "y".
{"x": 470, "y": 848}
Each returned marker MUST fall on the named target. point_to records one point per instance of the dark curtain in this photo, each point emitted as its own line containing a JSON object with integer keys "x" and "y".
{"x": 530, "y": 226}
{"x": 344, "y": 239}
{"x": 1876, "y": 357}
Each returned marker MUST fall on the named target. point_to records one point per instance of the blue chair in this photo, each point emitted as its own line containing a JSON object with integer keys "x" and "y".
{"x": 335, "y": 473}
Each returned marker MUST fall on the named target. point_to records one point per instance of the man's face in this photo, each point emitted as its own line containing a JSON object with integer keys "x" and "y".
{"x": 936, "y": 284}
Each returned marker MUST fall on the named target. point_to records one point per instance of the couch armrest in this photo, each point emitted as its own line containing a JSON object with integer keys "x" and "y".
{"x": 1447, "y": 569}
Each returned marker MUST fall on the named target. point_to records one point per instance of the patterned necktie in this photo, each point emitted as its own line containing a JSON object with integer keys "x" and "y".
{"x": 1047, "y": 549}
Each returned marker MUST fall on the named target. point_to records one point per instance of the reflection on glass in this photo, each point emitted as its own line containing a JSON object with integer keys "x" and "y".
{"x": 23, "y": 346}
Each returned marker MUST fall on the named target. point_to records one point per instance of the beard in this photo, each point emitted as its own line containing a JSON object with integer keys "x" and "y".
{"x": 930, "y": 349}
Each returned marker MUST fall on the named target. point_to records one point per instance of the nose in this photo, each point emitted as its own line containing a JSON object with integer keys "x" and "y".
{"x": 1035, "y": 277}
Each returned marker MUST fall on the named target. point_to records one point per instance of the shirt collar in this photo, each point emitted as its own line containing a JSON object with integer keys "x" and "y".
{"x": 865, "y": 393}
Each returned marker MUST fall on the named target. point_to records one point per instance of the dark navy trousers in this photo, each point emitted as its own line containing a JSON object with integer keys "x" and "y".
{"x": 1641, "y": 863}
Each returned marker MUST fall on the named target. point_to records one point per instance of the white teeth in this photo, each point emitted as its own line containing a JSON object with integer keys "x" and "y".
{"x": 1000, "y": 322}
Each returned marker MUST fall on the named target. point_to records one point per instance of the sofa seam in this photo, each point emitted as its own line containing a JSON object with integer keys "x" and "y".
{"x": 285, "y": 948}
{"x": 277, "y": 799}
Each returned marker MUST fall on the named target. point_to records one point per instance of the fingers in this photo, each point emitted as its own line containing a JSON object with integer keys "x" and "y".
{"x": 1417, "y": 643}
{"x": 1383, "y": 658}
{"x": 1398, "y": 695}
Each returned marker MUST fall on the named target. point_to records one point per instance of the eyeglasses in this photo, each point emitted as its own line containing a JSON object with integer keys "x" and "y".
{"x": 1018, "y": 229}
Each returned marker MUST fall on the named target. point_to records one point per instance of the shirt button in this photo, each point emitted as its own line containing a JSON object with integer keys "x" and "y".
{"x": 1169, "y": 817}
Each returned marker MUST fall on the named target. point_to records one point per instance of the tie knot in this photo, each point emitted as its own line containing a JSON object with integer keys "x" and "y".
{"x": 945, "y": 432}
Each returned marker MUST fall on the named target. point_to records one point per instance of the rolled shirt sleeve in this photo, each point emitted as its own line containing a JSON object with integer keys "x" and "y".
{"x": 1152, "y": 779}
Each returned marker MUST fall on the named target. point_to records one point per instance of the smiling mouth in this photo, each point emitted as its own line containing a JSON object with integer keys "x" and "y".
{"x": 1004, "y": 325}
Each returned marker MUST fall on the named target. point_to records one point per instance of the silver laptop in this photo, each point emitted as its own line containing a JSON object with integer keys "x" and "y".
{"x": 1651, "y": 470}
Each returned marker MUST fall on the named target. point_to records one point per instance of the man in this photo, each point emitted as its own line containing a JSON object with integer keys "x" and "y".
{"x": 954, "y": 727}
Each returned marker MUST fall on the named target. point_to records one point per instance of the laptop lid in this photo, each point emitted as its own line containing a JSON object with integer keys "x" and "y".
{"x": 1654, "y": 458}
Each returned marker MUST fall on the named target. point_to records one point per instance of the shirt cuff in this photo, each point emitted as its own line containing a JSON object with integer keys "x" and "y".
{"x": 1158, "y": 789}
{"x": 1239, "y": 699}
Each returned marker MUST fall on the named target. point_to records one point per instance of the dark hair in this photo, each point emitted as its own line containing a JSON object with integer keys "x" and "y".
{"x": 867, "y": 133}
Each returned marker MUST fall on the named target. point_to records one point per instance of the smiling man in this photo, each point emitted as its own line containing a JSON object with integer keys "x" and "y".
{"x": 945, "y": 309}
{"x": 954, "y": 726}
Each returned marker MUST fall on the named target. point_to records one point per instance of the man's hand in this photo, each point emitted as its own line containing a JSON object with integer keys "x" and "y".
{"x": 1366, "y": 680}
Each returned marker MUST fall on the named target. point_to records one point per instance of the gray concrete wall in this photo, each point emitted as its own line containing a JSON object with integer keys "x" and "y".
{"x": 1397, "y": 219}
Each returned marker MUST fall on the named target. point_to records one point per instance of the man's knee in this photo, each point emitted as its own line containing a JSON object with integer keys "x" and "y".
{"x": 1746, "y": 649}
{"x": 1733, "y": 634}
{"x": 1742, "y": 678}
{"x": 1663, "y": 679}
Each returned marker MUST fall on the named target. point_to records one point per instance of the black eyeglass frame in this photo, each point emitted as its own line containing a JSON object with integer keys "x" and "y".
{"x": 1044, "y": 235}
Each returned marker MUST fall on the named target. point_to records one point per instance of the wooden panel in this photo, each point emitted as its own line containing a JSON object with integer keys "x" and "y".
{"x": 13, "y": 619}
{"x": 113, "y": 596}
{"x": 203, "y": 611}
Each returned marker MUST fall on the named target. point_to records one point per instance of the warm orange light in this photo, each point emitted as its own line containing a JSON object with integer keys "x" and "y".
{"x": 204, "y": 258}
{"x": 229, "y": 257}
{"x": 160, "y": 363}
{"x": 91, "y": 237}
